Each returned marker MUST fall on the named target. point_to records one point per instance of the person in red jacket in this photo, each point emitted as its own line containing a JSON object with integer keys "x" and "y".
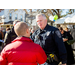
{"x": 22, "y": 50}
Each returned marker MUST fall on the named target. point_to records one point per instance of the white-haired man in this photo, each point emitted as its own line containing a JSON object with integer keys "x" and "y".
{"x": 50, "y": 39}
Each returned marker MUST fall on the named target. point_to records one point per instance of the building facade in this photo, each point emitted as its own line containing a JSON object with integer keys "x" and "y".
{"x": 9, "y": 15}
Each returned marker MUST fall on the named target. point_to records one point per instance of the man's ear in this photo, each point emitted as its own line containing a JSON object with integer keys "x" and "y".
{"x": 27, "y": 33}
{"x": 27, "y": 30}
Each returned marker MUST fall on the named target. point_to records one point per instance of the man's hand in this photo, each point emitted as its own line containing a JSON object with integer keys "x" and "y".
{"x": 65, "y": 39}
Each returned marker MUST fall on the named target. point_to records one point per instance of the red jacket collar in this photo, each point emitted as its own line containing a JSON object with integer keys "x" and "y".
{"x": 22, "y": 39}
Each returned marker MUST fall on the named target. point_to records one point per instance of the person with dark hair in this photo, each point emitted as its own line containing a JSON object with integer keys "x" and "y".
{"x": 7, "y": 29}
{"x": 32, "y": 31}
{"x": 66, "y": 36}
{"x": 10, "y": 35}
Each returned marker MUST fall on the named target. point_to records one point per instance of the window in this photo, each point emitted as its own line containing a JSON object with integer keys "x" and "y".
{"x": 10, "y": 16}
{"x": 16, "y": 16}
{"x": 21, "y": 18}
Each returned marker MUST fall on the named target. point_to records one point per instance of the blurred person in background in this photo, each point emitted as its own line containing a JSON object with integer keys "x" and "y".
{"x": 66, "y": 36}
{"x": 10, "y": 35}
{"x": 32, "y": 31}
{"x": 73, "y": 35}
{"x": 67, "y": 30}
{"x": 7, "y": 29}
{"x": 1, "y": 40}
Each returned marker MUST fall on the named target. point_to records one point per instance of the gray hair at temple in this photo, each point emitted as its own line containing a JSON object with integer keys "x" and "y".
{"x": 41, "y": 14}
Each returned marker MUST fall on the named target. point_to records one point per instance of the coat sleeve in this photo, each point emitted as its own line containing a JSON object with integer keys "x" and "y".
{"x": 7, "y": 39}
{"x": 41, "y": 56}
{"x": 3, "y": 60}
{"x": 69, "y": 36}
{"x": 60, "y": 46}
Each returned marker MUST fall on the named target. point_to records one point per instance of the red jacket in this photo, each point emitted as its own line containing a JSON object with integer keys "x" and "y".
{"x": 22, "y": 51}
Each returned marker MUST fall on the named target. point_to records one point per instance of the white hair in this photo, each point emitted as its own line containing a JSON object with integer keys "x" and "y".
{"x": 41, "y": 14}
{"x": 15, "y": 21}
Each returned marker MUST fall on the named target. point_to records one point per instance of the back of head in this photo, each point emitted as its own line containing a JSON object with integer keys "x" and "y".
{"x": 7, "y": 29}
{"x": 20, "y": 28}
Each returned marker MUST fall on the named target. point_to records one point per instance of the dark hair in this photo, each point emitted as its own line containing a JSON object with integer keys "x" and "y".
{"x": 7, "y": 29}
{"x": 60, "y": 28}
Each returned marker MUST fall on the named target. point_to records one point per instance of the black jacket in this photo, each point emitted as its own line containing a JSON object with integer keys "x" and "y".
{"x": 9, "y": 36}
{"x": 70, "y": 57}
{"x": 50, "y": 40}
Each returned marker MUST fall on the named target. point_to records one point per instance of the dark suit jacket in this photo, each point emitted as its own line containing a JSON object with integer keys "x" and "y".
{"x": 9, "y": 36}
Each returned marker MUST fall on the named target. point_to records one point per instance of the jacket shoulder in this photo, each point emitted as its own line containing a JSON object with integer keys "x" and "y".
{"x": 53, "y": 28}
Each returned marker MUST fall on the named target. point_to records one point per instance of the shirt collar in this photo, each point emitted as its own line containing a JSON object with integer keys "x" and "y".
{"x": 22, "y": 39}
{"x": 46, "y": 28}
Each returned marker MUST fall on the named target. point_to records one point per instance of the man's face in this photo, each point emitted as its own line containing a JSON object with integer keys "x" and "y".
{"x": 41, "y": 21}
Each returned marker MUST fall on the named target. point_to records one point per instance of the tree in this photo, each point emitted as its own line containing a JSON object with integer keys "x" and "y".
{"x": 71, "y": 11}
{"x": 1, "y": 10}
{"x": 30, "y": 13}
